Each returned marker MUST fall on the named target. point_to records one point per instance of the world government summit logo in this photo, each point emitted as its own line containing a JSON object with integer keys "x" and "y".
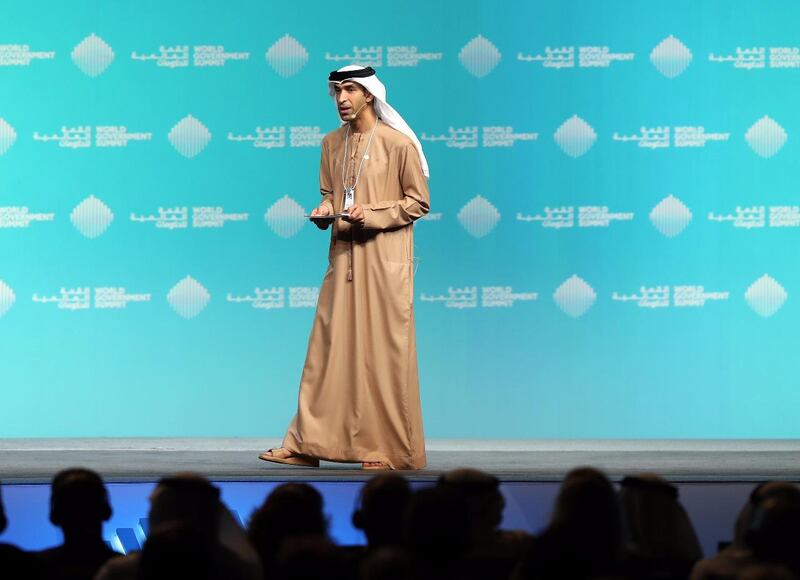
{"x": 478, "y": 217}
{"x": 7, "y": 298}
{"x": 92, "y": 56}
{"x": 188, "y": 298}
{"x": 7, "y": 136}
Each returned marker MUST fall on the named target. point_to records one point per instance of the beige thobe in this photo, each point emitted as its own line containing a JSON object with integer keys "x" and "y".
{"x": 359, "y": 393}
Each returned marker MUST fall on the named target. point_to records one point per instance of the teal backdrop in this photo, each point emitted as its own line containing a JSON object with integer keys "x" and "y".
{"x": 612, "y": 248}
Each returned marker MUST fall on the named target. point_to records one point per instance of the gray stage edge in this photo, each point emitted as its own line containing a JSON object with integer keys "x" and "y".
{"x": 235, "y": 459}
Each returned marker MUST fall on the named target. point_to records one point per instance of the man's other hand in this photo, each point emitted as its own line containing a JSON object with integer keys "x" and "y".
{"x": 356, "y": 215}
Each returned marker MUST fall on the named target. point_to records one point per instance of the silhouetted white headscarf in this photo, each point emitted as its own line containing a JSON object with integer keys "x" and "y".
{"x": 365, "y": 76}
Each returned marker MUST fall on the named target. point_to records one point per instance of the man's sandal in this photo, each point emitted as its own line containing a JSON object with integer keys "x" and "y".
{"x": 379, "y": 466}
{"x": 293, "y": 459}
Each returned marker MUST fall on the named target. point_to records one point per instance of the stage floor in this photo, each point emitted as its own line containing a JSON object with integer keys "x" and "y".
{"x": 147, "y": 459}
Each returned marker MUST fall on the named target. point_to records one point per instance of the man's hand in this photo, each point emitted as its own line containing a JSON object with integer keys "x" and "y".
{"x": 356, "y": 215}
{"x": 321, "y": 211}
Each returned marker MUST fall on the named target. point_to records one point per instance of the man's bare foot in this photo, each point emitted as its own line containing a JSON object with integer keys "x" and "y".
{"x": 280, "y": 453}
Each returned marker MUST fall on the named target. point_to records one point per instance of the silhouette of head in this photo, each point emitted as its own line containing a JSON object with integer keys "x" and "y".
{"x": 761, "y": 493}
{"x": 78, "y": 501}
{"x": 188, "y": 498}
{"x": 437, "y": 525}
{"x": 292, "y": 509}
{"x": 774, "y": 531}
{"x": 175, "y": 549}
{"x": 383, "y": 501}
{"x": 656, "y": 523}
{"x": 587, "y": 511}
{"x": 481, "y": 492}
{"x": 3, "y": 520}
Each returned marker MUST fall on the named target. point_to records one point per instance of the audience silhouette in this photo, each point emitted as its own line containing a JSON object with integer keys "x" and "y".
{"x": 438, "y": 534}
{"x": 292, "y": 510}
{"x": 584, "y": 537}
{"x": 78, "y": 505}
{"x": 308, "y": 557}
{"x": 380, "y": 514}
{"x": 175, "y": 549}
{"x": 449, "y": 531}
{"x": 741, "y": 554}
{"x": 187, "y": 506}
{"x": 660, "y": 540}
{"x": 493, "y": 552}
{"x": 382, "y": 506}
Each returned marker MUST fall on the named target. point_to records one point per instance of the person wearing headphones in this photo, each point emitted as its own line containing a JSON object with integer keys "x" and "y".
{"x": 78, "y": 505}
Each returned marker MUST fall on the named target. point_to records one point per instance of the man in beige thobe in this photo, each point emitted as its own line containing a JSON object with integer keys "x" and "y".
{"x": 359, "y": 394}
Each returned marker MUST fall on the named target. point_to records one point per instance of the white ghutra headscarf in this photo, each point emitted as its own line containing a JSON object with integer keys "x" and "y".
{"x": 365, "y": 76}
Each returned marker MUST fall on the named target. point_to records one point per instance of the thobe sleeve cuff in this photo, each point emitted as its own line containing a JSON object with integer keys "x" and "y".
{"x": 384, "y": 215}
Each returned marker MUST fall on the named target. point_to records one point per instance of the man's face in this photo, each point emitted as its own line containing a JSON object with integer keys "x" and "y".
{"x": 350, "y": 99}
